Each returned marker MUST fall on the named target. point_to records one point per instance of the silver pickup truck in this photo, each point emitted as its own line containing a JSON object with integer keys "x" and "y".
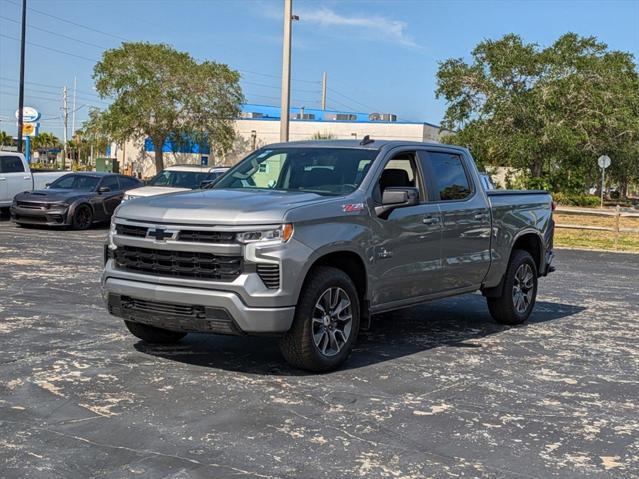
{"x": 308, "y": 240}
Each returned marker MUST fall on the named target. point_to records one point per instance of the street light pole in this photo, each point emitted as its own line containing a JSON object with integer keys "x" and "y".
{"x": 21, "y": 87}
{"x": 286, "y": 71}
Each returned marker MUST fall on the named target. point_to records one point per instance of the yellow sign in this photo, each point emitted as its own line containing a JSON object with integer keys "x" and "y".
{"x": 28, "y": 129}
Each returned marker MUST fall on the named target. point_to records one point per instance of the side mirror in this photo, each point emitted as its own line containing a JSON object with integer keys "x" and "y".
{"x": 104, "y": 189}
{"x": 397, "y": 197}
{"x": 46, "y": 185}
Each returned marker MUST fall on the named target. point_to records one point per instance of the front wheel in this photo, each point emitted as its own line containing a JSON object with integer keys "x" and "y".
{"x": 326, "y": 322}
{"x": 517, "y": 301}
{"x": 151, "y": 334}
{"x": 82, "y": 217}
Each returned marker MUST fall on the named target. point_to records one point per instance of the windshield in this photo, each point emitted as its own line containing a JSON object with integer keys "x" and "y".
{"x": 331, "y": 171}
{"x": 75, "y": 182}
{"x": 179, "y": 179}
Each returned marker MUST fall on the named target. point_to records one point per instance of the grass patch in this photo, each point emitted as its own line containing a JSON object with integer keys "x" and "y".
{"x": 596, "y": 240}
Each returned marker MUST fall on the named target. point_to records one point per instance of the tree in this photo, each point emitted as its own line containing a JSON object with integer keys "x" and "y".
{"x": 5, "y": 138}
{"x": 45, "y": 141}
{"x": 162, "y": 93}
{"x": 551, "y": 111}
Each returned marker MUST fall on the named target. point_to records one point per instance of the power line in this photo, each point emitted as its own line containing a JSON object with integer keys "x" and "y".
{"x": 57, "y": 34}
{"x": 50, "y": 85}
{"x": 71, "y": 23}
{"x": 93, "y": 60}
{"x": 275, "y": 76}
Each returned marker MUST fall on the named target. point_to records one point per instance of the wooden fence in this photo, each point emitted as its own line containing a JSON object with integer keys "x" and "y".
{"x": 616, "y": 214}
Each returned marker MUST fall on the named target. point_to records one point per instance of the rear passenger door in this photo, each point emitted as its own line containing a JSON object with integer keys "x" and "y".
{"x": 465, "y": 218}
{"x": 13, "y": 177}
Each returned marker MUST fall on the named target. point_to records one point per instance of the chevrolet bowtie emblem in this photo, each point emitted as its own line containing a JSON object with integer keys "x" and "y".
{"x": 160, "y": 234}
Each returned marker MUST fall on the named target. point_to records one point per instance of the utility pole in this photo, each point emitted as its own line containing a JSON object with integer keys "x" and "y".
{"x": 21, "y": 93}
{"x": 324, "y": 80}
{"x": 286, "y": 70}
{"x": 65, "y": 118}
{"x": 73, "y": 110}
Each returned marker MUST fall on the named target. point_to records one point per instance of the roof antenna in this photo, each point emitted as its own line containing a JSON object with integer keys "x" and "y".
{"x": 366, "y": 140}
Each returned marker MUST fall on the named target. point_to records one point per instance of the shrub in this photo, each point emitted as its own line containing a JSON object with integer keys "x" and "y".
{"x": 576, "y": 199}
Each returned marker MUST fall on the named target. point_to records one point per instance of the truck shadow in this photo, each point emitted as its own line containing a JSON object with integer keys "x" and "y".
{"x": 459, "y": 322}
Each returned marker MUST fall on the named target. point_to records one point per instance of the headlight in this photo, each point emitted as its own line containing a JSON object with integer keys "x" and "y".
{"x": 282, "y": 233}
{"x": 127, "y": 197}
{"x": 110, "y": 242}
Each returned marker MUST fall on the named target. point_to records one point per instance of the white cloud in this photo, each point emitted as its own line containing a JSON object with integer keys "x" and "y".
{"x": 382, "y": 27}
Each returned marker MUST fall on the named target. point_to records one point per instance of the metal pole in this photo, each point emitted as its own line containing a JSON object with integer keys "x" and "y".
{"x": 324, "y": 79}
{"x": 21, "y": 93}
{"x": 603, "y": 182}
{"x": 73, "y": 109}
{"x": 286, "y": 71}
{"x": 65, "y": 118}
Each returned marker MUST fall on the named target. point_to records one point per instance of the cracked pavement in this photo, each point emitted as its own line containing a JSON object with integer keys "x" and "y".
{"x": 438, "y": 390}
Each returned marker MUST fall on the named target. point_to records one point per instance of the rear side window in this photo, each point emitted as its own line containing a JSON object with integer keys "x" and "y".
{"x": 111, "y": 182}
{"x": 127, "y": 183}
{"x": 447, "y": 175}
{"x": 11, "y": 164}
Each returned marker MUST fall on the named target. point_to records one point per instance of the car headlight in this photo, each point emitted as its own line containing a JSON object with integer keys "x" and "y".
{"x": 127, "y": 197}
{"x": 110, "y": 242}
{"x": 282, "y": 233}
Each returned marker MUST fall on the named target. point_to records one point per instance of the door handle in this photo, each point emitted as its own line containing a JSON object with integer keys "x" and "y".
{"x": 2, "y": 178}
{"x": 430, "y": 220}
{"x": 480, "y": 216}
{"x": 26, "y": 177}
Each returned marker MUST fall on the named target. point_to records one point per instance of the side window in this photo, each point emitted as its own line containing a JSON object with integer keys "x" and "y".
{"x": 127, "y": 183}
{"x": 11, "y": 164}
{"x": 447, "y": 175}
{"x": 399, "y": 171}
{"x": 111, "y": 182}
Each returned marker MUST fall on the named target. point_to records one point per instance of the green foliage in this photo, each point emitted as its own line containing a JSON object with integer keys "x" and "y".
{"x": 549, "y": 111}
{"x": 5, "y": 138}
{"x": 318, "y": 135}
{"x": 45, "y": 141}
{"x": 158, "y": 92}
{"x": 576, "y": 199}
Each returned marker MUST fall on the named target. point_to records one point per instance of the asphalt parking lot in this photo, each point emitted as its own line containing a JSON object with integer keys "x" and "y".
{"x": 434, "y": 391}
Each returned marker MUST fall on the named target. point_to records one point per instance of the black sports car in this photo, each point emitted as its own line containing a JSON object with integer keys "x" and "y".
{"x": 77, "y": 200}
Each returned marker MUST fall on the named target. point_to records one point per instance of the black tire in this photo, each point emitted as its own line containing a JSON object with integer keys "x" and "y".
{"x": 512, "y": 308}
{"x": 82, "y": 217}
{"x": 299, "y": 346}
{"x": 151, "y": 334}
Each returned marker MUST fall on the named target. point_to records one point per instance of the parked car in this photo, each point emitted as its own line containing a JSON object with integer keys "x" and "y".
{"x": 16, "y": 177}
{"x": 308, "y": 240}
{"x": 178, "y": 178}
{"x": 75, "y": 199}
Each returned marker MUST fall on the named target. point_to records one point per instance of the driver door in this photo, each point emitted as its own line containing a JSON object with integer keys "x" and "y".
{"x": 110, "y": 199}
{"x": 407, "y": 253}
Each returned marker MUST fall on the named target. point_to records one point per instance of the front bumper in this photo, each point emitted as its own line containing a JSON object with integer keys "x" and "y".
{"x": 56, "y": 216}
{"x": 192, "y": 310}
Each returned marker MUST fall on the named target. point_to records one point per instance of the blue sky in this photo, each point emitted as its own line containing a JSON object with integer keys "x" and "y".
{"x": 379, "y": 55}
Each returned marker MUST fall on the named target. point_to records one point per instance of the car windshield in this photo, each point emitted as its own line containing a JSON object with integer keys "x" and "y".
{"x": 75, "y": 182}
{"x": 179, "y": 179}
{"x": 330, "y": 171}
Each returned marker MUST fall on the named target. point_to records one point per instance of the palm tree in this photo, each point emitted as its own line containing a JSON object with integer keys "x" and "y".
{"x": 5, "y": 138}
{"x": 45, "y": 141}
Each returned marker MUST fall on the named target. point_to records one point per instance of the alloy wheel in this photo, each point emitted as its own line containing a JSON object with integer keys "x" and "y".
{"x": 332, "y": 321}
{"x": 523, "y": 288}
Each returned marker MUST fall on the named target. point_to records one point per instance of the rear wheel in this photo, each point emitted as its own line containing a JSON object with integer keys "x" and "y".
{"x": 326, "y": 322}
{"x": 82, "y": 217}
{"x": 151, "y": 334}
{"x": 517, "y": 301}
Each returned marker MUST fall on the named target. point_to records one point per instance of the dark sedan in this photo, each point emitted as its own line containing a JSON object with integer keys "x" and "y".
{"x": 77, "y": 200}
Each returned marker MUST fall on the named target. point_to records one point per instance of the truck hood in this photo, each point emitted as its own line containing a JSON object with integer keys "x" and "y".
{"x": 223, "y": 206}
{"x": 153, "y": 191}
{"x": 53, "y": 195}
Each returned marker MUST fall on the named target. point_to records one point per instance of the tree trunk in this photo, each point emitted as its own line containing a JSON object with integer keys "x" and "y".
{"x": 536, "y": 168}
{"x": 158, "y": 144}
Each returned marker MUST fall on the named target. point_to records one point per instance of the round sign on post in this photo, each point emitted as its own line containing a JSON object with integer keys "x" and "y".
{"x": 604, "y": 161}
{"x": 29, "y": 115}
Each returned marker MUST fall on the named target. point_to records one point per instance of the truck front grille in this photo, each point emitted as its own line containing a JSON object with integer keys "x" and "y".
{"x": 182, "y": 264}
{"x": 206, "y": 236}
{"x": 270, "y": 275}
{"x": 130, "y": 230}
